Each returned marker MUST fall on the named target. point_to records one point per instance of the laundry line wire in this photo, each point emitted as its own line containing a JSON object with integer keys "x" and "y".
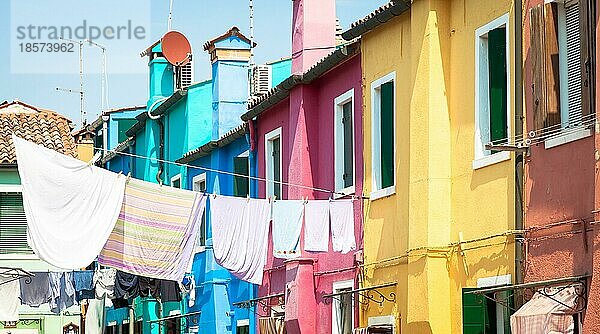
{"x": 218, "y": 171}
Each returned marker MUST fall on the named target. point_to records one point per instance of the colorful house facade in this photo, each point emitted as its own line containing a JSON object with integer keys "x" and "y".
{"x": 561, "y": 185}
{"x": 308, "y": 135}
{"x": 439, "y": 84}
{"x": 199, "y": 128}
{"x": 53, "y": 131}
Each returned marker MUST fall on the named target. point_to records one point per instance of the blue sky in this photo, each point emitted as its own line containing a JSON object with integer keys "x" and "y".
{"x": 33, "y": 77}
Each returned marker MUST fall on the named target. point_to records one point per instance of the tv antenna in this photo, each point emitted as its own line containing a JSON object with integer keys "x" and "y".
{"x": 251, "y": 33}
{"x": 104, "y": 78}
{"x": 80, "y": 91}
{"x": 170, "y": 15}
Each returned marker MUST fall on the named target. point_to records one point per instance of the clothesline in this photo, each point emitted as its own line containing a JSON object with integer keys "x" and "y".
{"x": 225, "y": 172}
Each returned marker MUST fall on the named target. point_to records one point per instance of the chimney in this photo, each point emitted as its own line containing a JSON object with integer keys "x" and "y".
{"x": 230, "y": 58}
{"x": 313, "y": 32}
{"x": 161, "y": 80}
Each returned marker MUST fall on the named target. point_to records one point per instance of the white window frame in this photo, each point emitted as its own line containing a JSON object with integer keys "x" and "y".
{"x": 483, "y": 157}
{"x": 246, "y": 154}
{"x": 338, "y": 133}
{"x": 383, "y": 320}
{"x": 335, "y": 306}
{"x": 376, "y": 191}
{"x": 195, "y": 181}
{"x": 488, "y": 282}
{"x": 176, "y": 178}
{"x": 269, "y": 137}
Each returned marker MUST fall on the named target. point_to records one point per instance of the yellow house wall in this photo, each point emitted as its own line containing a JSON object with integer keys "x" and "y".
{"x": 438, "y": 193}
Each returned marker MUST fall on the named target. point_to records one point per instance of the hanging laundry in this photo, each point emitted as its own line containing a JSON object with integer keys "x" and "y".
{"x": 62, "y": 291}
{"x": 287, "y": 226}
{"x": 156, "y": 230}
{"x": 342, "y": 226}
{"x": 169, "y": 291}
{"x": 240, "y": 229}
{"x": 120, "y": 303}
{"x": 189, "y": 285}
{"x": 316, "y": 226}
{"x": 149, "y": 287}
{"x": 104, "y": 283}
{"x": 126, "y": 285}
{"x": 71, "y": 207}
{"x": 94, "y": 318}
{"x": 9, "y": 298}
{"x": 35, "y": 290}
{"x": 271, "y": 325}
{"x": 84, "y": 284}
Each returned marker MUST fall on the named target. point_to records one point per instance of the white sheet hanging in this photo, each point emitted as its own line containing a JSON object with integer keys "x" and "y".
{"x": 10, "y": 291}
{"x": 71, "y": 207}
{"x": 316, "y": 226}
{"x": 342, "y": 226}
{"x": 287, "y": 227}
{"x": 240, "y": 229}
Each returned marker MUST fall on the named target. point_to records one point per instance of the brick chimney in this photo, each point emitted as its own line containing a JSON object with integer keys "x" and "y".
{"x": 313, "y": 32}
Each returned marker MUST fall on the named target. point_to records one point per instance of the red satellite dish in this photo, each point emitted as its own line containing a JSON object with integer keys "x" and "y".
{"x": 176, "y": 48}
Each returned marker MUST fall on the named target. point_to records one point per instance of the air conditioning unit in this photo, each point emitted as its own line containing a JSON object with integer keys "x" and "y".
{"x": 261, "y": 80}
{"x": 184, "y": 76}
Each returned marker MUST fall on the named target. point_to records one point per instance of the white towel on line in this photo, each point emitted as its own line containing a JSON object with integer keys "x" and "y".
{"x": 71, "y": 207}
{"x": 240, "y": 232}
{"x": 287, "y": 227}
{"x": 10, "y": 291}
{"x": 316, "y": 226}
{"x": 342, "y": 226}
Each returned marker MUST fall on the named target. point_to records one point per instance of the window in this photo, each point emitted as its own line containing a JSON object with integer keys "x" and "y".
{"x": 13, "y": 224}
{"x": 344, "y": 142}
{"x": 492, "y": 59}
{"x": 273, "y": 162}
{"x": 124, "y": 125}
{"x": 484, "y": 315}
{"x": 176, "y": 181}
{"x": 241, "y": 166}
{"x": 561, "y": 53}
{"x": 383, "y": 136}
{"x": 199, "y": 184}
{"x": 137, "y": 327}
{"x": 243, "y": 326}
{"x": 343, "y": 308}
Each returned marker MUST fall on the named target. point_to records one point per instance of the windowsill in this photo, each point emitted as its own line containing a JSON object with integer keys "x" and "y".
{"x": 346, "y": 192}
{"x": 491, "y": 159}
{"x": 199, "y": 249}
{"x": 381, "y": 193}
{"x": 565, "y": 138}
{"x": 19, "y": 257}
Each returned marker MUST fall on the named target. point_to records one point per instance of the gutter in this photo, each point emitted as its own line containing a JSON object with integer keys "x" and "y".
{"x": 375, "y": 19}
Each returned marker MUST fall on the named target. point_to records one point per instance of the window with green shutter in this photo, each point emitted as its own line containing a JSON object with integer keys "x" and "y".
{"x": 387, "y": 134}
{"x": 482, "y": 315}
{"x": 276, "y": 164}
{"x": 124, "y": 125}
{"x": 497, "y": 83}
{"x": 347, "y": 124}
{"x": 240, "y": 184}
{"x": 13, "y": 225}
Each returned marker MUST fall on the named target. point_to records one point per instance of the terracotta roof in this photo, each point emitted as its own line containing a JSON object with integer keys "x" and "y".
{"x": 234, "y": 31}
{"x": 40, "y": 126}
{"x": 376, "y": 18}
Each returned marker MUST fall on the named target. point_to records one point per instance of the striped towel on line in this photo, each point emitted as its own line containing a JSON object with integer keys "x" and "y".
{"x": 155, "y": 233}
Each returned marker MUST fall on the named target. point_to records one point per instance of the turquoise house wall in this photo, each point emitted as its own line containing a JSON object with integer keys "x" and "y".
{"x": 280, "y": 70}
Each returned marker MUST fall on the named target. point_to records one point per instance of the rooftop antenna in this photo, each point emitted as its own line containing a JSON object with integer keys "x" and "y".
{"x": 170, "y": 15}
{"x": 251, "y": 33}
{"x": 104, "y": 78}
{"x": 80, "y": 91}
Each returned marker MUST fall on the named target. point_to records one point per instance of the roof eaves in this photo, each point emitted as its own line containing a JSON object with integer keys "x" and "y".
{"x": 120, "y": 148}
{"x": 158, "y": 111}
{"x": 379, "y": 16}
{"x": 207, "y": 148}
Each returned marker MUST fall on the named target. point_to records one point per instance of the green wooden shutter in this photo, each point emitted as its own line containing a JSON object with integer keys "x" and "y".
{"x": 387, "y": 134}
{"x": 13, "y": 224}
{"x": 348, "y": 145}
{"x": 240, "y": 184}
{"x": 123, "y": 126}
{"x": 276, "y": 166}
{"x": 475, "y": 314}
{"x": 497, "y": 83}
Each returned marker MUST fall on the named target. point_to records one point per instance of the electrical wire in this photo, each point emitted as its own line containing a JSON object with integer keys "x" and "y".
{"x": 218, "y": 171}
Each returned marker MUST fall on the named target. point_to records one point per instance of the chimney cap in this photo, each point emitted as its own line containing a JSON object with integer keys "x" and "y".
{"x": 233, "y": 32}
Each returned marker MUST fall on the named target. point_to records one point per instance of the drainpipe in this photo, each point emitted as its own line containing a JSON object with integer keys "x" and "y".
{"x": 105, "y": 119}
{"x": 520, "y": 155}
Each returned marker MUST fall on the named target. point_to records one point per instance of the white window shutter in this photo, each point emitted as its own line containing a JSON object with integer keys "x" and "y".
{"x": 574, "y": 76}
{"x": 13, "y": 225}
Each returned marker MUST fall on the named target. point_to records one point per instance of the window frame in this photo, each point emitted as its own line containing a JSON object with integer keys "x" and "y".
{"x": 269, "y": 173}
{"x": 338, "y": 135}
{"x": 245, "y": 154}
{"x": 376, "y": 190}
{"x": 176, "y": 178}
{"x": 481, "y": 157}
{"x": 335, "y": 306}
{"x": 15, "y": 188}
{"x": 196, "y": 180}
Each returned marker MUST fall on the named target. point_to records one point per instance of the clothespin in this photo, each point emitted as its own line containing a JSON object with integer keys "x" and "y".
{"x": 248, "y": 198}
{"x": 214, "y": 195}
{"x": 128, "y": 177}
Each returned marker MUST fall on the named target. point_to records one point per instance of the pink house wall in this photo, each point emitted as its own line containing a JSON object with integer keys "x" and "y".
{"x": 306, "y": 119}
